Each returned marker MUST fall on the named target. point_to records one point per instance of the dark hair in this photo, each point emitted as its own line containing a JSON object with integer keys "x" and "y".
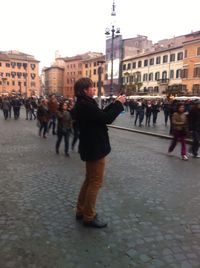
{"x": 180, "y": 105}
{"x": 81, "y": 84}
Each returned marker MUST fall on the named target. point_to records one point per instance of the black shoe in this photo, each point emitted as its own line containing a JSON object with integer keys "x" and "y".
{"x": 79, "y": 217}
{"x": 67, "y": 155}
{"x": 57, "y": 151}
{"x": 95, "y": 223}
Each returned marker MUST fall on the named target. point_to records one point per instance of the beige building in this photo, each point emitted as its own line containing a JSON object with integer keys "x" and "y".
{"x": 54, "y": 83}
{"x": 19, "y": 74}
{"x": 153, "y": 72}
{"x": 91, "y": 68}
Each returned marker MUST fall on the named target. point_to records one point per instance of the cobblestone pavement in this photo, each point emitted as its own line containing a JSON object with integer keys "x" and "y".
{"x": 150, "y": 200}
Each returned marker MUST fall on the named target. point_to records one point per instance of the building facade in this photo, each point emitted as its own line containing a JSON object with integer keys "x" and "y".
{"x": 153, "y": 72}
{"x": 91, "y": 68}
{"x": 19, "y": 74}
{"x": 54, "y": 83}
{"x": 191, "y": 63}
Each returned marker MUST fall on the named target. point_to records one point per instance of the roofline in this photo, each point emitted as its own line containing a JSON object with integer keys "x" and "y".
{"x": 53, "y": 67}
{"x": 153, "y": 53}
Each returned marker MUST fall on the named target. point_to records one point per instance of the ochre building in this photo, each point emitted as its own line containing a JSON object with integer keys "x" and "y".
{"x": 19, "y": 74}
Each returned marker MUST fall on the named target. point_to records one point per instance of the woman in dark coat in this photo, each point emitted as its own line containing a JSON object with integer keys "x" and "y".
{"x": 93, "y": 147}
{"x": 64, "y": 127}
{"x": 43, "y": 116}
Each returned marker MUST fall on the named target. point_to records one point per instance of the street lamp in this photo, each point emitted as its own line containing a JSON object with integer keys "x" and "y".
{"x": 100, "y": 63}
{"x": 113, "y": 33}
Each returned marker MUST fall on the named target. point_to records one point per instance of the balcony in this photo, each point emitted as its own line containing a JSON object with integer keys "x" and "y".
{"x": 163, "y": 81}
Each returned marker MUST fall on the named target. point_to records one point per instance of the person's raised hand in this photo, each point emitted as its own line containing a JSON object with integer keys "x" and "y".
{"x": 121, "y": 98}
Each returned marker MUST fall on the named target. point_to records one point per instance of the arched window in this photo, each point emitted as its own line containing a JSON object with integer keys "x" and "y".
{"x": 164, "y": 75}
{"x": 178, "y": 73}
{"x": 151, "y": 77}
{"x": 157, "y": 76}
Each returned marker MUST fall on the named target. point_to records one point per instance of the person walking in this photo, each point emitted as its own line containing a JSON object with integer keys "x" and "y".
{"x": 166, "y": 110}
{"x": 155, "y": 111}
{"x": 53, "y": 107}
{"x": 148, "y": 113}
{"x": 179, "y": 130}
{"x": 194, "y": 127}
{"x": 5, "y": 107}
{"x": 94, "y": 146}
{"x": 139, "y": 112}
{"x": 43, "y": 116}
{"x": 64, "y": 127}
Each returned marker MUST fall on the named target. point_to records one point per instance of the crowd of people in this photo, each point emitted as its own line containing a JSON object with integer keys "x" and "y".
{"x": 52, "y": 114}
{"x": 183, "y": 117}
{"x": 57, "y": 115}
{"x": 88, "y": 124}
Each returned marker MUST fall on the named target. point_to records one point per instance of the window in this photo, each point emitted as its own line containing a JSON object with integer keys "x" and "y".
{"x": 19, "y": 65}
{"x": 185, "y": 73}
{"x": 145, "y": 62}
{"x": 151, "y": 61}
{"x": 13, "y": 83}
{"x": 32, "y": 84}
{"x": 196, "y": 89}
{"x": 172, "y": 57}
{"x": 13, "y": 74}
{"x": 19, "y": 75}
{"x": 171, "y": 74}
{"x": 185, "y": 54}
{"x": 139, "y": 64}
{"x": 165, "y": 58}
{"x": 198, "y": 51}
{"x": 33, "y": 76}
{"x": 32, "y": 66}
{"x": 145, "y": 77}
{"x": 24, "y": 65}
{"x": 134, "y": 65}
{"x": 124, "y": 67}
{"x": 0, "y": 83}
{"x": 94, "y": 71}
{"x": 8, "y": 83}
{"x": 86, "y": 65}
{"x": 129, "y": 66}
{"x": 156, "y": 89}
{"x": 164, "y": 75}
{"x": 157, "y": 76}
{"x": 158, "y": 60}
{"x": 7, "y": 64}
{"x": 196, "y": 72}
{"x": 178, "y": 73}
{"x": 13, "y": 64}
{"x": 180, "y": 55}
{"x": 95, "y": 64}
{"x": 151, "y": 77}
{"x": 7, "y": 74}
{"x": 0, "y": 64}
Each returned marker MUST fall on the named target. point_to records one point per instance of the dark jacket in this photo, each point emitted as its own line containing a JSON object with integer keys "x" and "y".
{"x": 194, "y": 119}
{"x": 64, "y": 121}
{"x": 94, "y": 141}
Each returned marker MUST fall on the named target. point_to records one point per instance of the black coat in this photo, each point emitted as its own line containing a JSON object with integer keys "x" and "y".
{"x": 94, "y": 141}
{"x": 194, "y": 119}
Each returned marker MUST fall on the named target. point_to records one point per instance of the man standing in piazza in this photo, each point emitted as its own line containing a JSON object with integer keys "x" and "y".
{"x": 94, "y": 146}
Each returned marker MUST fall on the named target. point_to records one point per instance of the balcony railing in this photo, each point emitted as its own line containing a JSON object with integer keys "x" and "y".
{"x": 163, "y": 81}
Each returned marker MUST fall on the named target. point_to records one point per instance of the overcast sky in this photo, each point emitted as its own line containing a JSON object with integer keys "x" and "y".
{"x": 40, "y": 27}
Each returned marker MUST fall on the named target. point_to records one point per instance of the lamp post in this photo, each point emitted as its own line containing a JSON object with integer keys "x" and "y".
{"x": 112, "y": 33}
{"x": 99, "y": 81}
